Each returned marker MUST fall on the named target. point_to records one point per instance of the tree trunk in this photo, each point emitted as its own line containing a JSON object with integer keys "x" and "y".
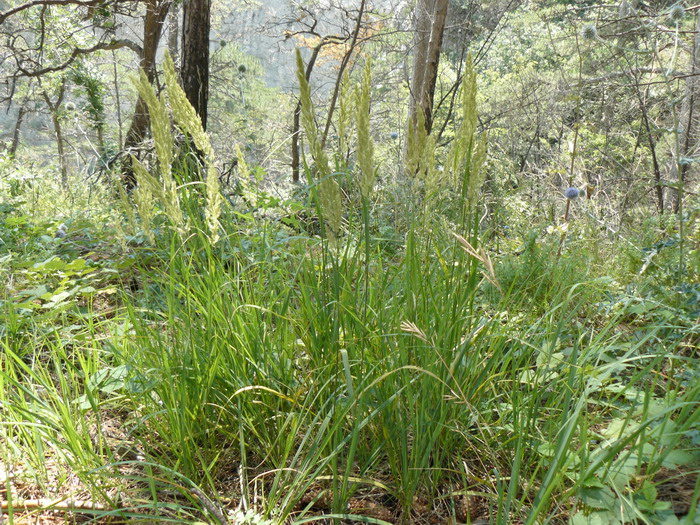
{"x": 688, "y": 132}
{"x": 101, "y": 149}
{"x": 18, "y": 129}
{"x": 194, "y": 65}
{"x": 174, "y": 32}
{"x": 117, "y": 96}
{"x": 658, "y": 179}
{"x": 430, "y": 19}
{"x": 56, "y": 120}
{"x": 339, "y": 78}
{"x": 156, "y": 12}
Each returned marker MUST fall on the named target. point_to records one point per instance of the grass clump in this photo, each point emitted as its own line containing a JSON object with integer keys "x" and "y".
{"x": 245, "y": 373}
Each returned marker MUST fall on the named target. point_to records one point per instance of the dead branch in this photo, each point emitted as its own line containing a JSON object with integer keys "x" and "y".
{"x": 53, "y": 504}
{"x": 35, "y": 3}
{"x": 79, "y": 51}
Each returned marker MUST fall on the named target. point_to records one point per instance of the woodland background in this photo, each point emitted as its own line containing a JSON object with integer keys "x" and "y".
{"x": 416, "y": 261}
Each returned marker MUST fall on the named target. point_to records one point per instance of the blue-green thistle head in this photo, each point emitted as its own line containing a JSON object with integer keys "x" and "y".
{"x": 571, "y": 193}
{"x": 589, "y": 32}
{"x": 677, "y": 13}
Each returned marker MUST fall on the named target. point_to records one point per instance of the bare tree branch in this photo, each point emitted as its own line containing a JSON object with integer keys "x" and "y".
{"x": 341, "y": 70}
{"x": 35, "y": 3}
{"x": 673, "y": 75}
{"x": 79, "y": 51}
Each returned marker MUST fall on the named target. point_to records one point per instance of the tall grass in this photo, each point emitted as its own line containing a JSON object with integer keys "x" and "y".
{"x": 311, "y": 374}
{"x": 274, "y": 371}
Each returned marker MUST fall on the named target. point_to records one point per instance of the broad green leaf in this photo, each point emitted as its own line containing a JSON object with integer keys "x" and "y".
{"x": 598, "y": 498}
{"x": 596, "y": 518}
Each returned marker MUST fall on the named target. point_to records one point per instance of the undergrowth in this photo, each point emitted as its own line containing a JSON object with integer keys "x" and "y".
{"x": 220, "y": 366}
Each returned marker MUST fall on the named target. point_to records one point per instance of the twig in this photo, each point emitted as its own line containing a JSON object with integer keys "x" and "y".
{"x": 52, "y": 504}
{"x": 341, "y": 70}
{"x": 210, "y": 505}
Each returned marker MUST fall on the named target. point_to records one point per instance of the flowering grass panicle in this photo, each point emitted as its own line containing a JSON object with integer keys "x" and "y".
{"x": 160, "y": 127}
{"x": 468, "y": 152}
{"x": 166, "y": 192}
{"x": 243, "y": 170}
{"x": 184, "y": 114}
{"x": 346, "y": 103}
{"x": 190, "y": 123}
{"x": 213, "y": 209}
{"x": 308, "y": 121}
{"x": 365, "y": 146}
{"x": 464, "y": 137}
{"x": 243, "y": 181}
{"x": 328, "y": 189}
{"x": 420, "y": 150}
{"x": 144, "y": 197}
{"x": 477, "y": 175}
{"x": 127, "y": 207}
{"x": 465, "y": 133}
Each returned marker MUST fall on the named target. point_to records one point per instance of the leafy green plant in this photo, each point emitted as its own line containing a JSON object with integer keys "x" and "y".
{"x": 388, "y": 367}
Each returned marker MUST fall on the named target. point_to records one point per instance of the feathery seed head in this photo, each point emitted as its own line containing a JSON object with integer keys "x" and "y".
{"x": 365, "y": 147}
